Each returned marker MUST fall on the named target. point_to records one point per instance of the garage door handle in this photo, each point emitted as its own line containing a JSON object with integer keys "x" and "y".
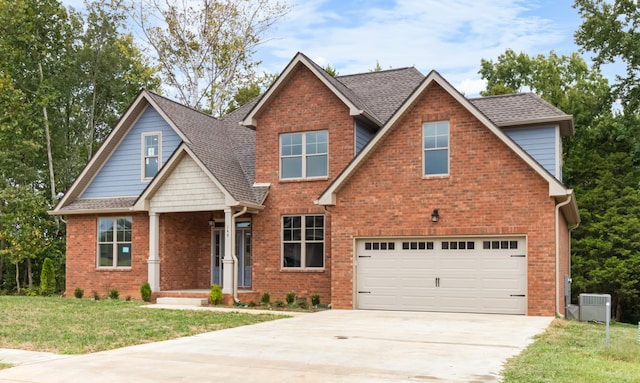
{"x": 364, "y": 256}
{"x": 437, "y": 281}
{"x": 364, "y": 292}
{"x": 517, "y": 295}
{"x": 519, "y": 256}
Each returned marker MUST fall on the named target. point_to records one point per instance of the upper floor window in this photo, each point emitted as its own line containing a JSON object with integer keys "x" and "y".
{"x": 114, "y": 242}
{"x": 435, "y": 137}
{"x": 151, "y": 145}
{"x": 304, "y": 155}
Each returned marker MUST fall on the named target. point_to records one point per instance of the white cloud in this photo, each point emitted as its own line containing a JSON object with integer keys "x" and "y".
{"x": 451, "y": 37}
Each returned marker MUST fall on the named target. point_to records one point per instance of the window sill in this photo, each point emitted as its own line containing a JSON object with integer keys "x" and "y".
{"x": 294, "y": 180}
{"x": 436, "y": 177}
{"x": 116, "y": 269}
{"x": 300, "y": 270}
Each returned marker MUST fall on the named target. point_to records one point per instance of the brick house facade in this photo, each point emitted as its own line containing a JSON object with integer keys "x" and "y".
{"x": 363, "y": 221}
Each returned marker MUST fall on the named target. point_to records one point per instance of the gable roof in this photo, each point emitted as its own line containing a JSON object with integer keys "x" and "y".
{"x": 522, "y": 109}
{"x": 556, "y": 188}
{"x": 209, "y": 139}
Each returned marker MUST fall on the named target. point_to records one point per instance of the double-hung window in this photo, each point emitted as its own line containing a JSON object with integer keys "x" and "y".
{"x": 303, "y": 241}
{"x": 435, "y": 138}
{"x": 151, "y": 145}
{"x": 304, "y": 155}
{"x": 114, "y": 242}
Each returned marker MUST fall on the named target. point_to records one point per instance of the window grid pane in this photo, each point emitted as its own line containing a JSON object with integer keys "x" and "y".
{"x": 304, "y": 155}
{"x": 307, "y": 251}
{"x": 436, "y": 148}
{"x": 114, "y": 242}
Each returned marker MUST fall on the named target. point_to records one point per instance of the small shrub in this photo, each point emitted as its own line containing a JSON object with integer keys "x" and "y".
{"x": 33, "y": 292}
{"x": 78, "y": 293}
{"x": 278, "y": 303}
{"x": 48, "y": 278}
{"x": 96, "y": 296}
{"x": 128, "y": 298}
{"x": 266, "y": 299}
{"x": 291, "y": 297}
{"x": 215, "y": 296}
{"x": 252, "y": 304}
{"x": 315, "y": 299}
{"x": 145, "y": 292}
{"x": 302, "y": 303}
{"x": 114, "y": 294}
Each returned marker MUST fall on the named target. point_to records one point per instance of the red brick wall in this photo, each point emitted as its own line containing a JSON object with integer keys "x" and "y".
{"x": 81, "y": 260}
{"x": 185, "y": 251}
{"x": 302, "y": 104}
{"x": 490, "y": 191}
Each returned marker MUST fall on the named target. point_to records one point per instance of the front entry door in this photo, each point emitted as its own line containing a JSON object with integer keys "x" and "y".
{"x": 243, "y": 253}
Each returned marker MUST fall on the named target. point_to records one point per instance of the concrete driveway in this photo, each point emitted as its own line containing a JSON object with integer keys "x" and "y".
{"x": 330, "y": 346}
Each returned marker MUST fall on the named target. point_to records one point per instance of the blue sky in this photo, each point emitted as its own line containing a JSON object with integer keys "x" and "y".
{"x": 449, "y": 36}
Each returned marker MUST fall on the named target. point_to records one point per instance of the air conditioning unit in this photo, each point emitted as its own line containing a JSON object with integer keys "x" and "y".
{"x": 593, "y": 307}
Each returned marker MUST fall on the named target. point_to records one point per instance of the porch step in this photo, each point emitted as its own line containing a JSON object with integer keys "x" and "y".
{"x": 182, "y": 301}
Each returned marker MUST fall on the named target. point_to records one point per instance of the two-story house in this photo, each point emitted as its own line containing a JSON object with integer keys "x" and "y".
{"x": 381, "y": 190}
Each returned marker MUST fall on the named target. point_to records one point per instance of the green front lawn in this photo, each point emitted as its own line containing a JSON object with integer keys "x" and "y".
{"x": 570, "y": 352}
{"x": 78, "y": 326}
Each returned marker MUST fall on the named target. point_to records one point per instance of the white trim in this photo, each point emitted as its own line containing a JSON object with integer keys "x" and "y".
{"x": 304, "y": 156}
{"x": 144, "y": 156}
{"x": 299, "y": 58}
{"x": 424, "y": 150}
{"x": 114, "y": 242}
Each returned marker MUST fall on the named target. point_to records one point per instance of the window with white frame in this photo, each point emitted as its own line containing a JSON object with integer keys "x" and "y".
{"x": 435, "y": 136}
{"x": 303, "y": 241}
{"x": 304, "y": 155}
{"x": 114, "y": 242}
{"x": 151, "y": 145}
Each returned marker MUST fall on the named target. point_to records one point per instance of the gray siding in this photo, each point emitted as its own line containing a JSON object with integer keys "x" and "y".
{"x": 540, "y": 143}
{"x": 363, "y": 136}
{"x": 121, "y": 175}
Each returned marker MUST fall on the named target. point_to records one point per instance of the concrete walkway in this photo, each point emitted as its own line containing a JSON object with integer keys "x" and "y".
{"x": 330, "y": 346}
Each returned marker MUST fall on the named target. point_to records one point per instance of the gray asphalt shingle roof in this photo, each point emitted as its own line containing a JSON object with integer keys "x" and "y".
{"x": 514, "y": 108}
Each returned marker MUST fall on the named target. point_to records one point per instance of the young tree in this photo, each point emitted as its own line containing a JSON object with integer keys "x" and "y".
{"x": 609, "y": 29}
{"x": 205, "y": 49}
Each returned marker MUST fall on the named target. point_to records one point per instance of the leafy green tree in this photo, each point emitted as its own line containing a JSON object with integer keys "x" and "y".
{"x": 609, "y": 29}
{"x": 331, "y": 70}
{"x": 205, "y": 51}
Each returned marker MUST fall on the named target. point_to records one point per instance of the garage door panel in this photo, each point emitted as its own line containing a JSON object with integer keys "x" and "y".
{"x": 438, "y": 275}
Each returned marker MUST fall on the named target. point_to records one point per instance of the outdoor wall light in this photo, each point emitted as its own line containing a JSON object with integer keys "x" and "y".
{"x": 212, "y": 222}
{"x": 435, "y": 216}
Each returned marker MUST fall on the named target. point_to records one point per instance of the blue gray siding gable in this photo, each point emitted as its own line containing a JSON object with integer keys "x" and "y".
{"x": 541, "y": 143}
{"x": 363, "y": 136}
{"x": 121, "y": 175}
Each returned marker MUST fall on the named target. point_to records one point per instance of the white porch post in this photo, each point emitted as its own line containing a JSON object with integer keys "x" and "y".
{"x": 227, "y": 260}
{"x": 154, "y": 254}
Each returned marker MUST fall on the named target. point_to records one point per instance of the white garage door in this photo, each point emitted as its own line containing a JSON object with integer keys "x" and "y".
{"x": 475, "y": 275}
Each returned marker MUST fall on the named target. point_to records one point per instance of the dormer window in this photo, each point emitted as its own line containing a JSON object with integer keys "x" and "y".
{"x": 151, "y": 145}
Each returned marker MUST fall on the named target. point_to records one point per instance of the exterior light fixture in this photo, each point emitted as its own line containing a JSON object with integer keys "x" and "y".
{"x": 435, "y": 216}
{"x": 212, "y": 222}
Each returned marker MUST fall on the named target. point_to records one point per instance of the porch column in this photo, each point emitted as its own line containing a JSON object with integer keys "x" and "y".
{"x": 154, "y": 253}
{"x": 227, "y": 260}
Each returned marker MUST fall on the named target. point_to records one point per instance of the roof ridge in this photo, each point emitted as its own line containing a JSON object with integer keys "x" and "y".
{"x": 377, "y": 71}
{"x": 503, "y": 95}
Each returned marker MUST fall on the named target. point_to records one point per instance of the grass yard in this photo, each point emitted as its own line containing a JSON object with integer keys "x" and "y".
{"x": 79, "y": 326}
{"x": 570, "y": 352}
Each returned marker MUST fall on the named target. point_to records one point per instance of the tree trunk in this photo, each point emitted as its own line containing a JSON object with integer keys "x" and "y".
{"x": 29, "y": 273}
{"x": 47, "y": 135}
{"x": 18, "y": 277}
{"x": 618, "y": 315}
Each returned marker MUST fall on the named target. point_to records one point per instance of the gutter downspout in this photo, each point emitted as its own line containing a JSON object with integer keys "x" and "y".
{"x": 233, "y": 253}
{"x": 557, "y": 276}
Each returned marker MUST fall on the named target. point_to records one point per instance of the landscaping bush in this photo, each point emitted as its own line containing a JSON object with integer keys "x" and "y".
{"x": 48, "y": 278}
{"x": 291, "y": 297}
{"x": 96, "y": 296}
{"x": 315, "y": 299}
{"x": 78, "y": 293}
{"x": 266, "y": 299}
{"x": 302, "y": 303}
{"x": 145, "y": 292}
{"x": 215, "y": 296}
{"x": 114, "y": 294}
{"x": 278, "y": 303}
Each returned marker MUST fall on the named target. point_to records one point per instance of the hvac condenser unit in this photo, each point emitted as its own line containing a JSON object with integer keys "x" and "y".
{"x": 593, "y": 307}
